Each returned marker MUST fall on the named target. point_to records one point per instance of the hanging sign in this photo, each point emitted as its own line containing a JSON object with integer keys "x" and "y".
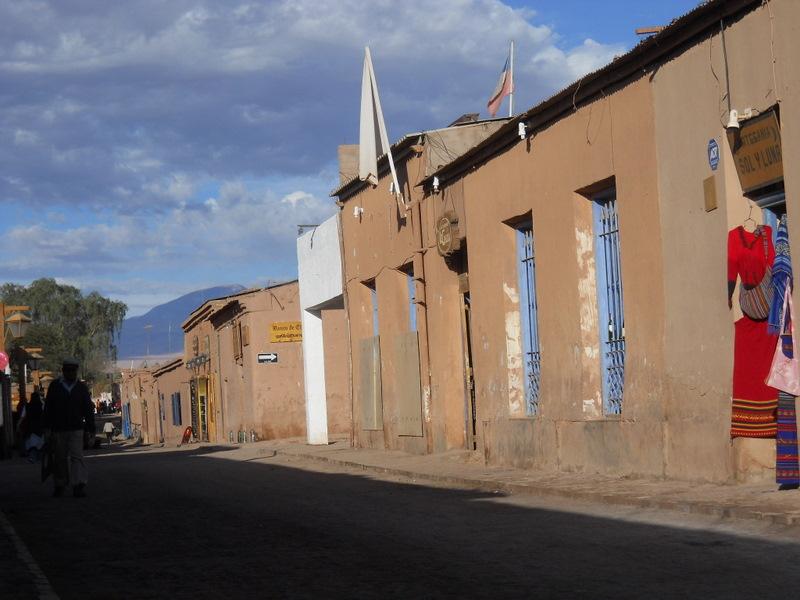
{"x": 287, "y": 331}
{"x": 757, "y": 152}
{"x": 448, "y": 237}
{"x": 713, "y": 154}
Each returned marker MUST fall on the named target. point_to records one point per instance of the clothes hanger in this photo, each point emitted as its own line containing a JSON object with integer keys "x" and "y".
{"x": 750, "y": 219}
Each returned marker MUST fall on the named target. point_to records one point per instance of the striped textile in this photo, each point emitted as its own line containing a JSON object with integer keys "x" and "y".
{"x": 754, "y": 418}
{"x": 781, "y": 277}
{"x": 754, "y": 402}
{"x": 787, "y": 468}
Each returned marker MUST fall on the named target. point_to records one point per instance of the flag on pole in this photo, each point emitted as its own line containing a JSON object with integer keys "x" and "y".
{"x": 505, "y": 87}
{"x": 373, "y": 140}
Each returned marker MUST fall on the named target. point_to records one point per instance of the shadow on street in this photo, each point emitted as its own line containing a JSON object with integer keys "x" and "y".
{"x": 190, "y": 525}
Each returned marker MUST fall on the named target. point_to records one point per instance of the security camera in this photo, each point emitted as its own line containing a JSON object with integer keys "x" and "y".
{"x": 435, "y": 184}
{"x": 521, "y": 130}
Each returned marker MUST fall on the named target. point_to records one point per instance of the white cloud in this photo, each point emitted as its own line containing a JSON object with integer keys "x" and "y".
{"x": 198, "y": 133}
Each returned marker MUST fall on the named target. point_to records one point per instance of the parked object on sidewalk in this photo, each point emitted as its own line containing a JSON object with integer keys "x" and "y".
{"x": 187, "y": 436}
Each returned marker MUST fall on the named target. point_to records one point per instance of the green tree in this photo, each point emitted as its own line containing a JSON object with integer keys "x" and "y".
{"x": 69, "y": 323}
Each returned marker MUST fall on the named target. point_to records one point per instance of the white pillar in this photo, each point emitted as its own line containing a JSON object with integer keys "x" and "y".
{"x": 314, "y": 375}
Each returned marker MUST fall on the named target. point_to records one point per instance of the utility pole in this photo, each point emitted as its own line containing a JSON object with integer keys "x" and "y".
{"x": 147, "y": 328}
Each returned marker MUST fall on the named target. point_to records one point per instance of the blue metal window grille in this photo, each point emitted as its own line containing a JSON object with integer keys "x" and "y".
{"x": 176, "y": 409}
{"x": 412, "y": 301}
{"x": 373, "y": 294}
{"x": 773, "y": 210}
{"x": 529, "y": 317}
{"x": 126, "y": 420}
{"x": 610, "y": 309}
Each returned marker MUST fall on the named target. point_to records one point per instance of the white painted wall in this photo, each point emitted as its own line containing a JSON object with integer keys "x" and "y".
{"x": 319, "y": 266}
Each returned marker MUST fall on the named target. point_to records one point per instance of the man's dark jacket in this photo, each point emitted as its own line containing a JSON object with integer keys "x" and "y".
{"x": 68, "y": 411}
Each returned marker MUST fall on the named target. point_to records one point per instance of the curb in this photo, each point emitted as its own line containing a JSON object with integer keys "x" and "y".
{"x": 726, "y": 512}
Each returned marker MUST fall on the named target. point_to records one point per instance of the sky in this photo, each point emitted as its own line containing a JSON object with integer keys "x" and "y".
{"x": 151, "y": 148}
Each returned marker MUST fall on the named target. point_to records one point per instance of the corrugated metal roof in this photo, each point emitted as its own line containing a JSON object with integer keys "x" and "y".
{"x": 409, "y": 139}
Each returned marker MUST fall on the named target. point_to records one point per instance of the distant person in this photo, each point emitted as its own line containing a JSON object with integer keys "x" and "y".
{"x": 33, "y": 426}
{"x": 19, "y": 426}
{"x": 68, "y": 412}
{"x": 108, "y": 429}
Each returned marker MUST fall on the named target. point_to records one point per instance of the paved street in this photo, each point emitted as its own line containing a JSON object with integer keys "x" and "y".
{"x": 203, "y": 524}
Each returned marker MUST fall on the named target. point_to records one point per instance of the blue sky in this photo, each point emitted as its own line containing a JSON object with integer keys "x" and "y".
{"x": 152, "y": 148}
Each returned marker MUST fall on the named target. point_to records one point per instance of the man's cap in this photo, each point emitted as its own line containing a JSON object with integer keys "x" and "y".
{"x": 70, "y": 362}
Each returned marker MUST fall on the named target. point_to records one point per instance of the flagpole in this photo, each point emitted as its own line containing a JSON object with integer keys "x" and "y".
{"x": 511, "y": 74}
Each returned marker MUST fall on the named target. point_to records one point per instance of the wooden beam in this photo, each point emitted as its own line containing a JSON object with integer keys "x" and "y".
{"x": 649, "y": 30}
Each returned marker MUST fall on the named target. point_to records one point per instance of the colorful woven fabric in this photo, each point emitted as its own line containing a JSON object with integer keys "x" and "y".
{"x": 781, "y": 277}
{"x": 787, "y": 469}
{"x": 754, "y": 418}
{"x": 754, "y": 402}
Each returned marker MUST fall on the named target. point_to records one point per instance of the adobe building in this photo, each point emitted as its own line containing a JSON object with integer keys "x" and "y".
{"x": 326, "y": 354}
{"x": 140, "y": 409}
{"x": 244, "y": 353}
{"x": 201, "y": 358}
{"x": 172, "y": 389}
{"x": 566, "y": 276}
{"x": 595, "y": 226}
{"x": 407, "y": 376}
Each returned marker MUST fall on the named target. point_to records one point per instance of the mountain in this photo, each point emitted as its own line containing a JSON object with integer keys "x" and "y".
{"x": 165, "y": 336}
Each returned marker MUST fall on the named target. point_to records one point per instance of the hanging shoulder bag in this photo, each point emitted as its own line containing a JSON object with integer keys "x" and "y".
{"x": 756, "y": 301}
{"x": 784, "y": 374}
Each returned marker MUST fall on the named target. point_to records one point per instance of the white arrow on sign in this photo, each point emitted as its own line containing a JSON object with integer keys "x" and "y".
{"x": 271, "y": 357}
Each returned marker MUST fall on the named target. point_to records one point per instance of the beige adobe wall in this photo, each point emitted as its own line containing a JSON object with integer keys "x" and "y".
{"x": 137, "y": 389}
{"x": 337, "y": 386}
{"x": 262, "y": 397}
{"x": 691, "y": 110}
{"x": 276, "y": 389}
{"x": 175, "y": 380}
{"x": 379, "y": 246}
{"x": 233, "y": 392}
{"x": 549, "y": 175}
{"x": 152, "y": 431}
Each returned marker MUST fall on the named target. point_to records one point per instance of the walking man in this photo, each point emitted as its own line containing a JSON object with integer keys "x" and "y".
{"x": 68, "y": 412}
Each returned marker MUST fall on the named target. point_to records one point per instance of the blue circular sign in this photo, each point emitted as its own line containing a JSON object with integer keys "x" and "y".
{"x": 713, "y": 154}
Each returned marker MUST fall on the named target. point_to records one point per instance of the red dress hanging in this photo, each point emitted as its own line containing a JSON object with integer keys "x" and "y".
{"x": 754, "y": 402}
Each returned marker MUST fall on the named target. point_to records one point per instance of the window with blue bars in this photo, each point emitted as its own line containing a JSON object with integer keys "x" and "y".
{"x": 412, "y": 299}
{"x": 176, "y": 409}
{"x": 529, "y": 316}
{"x": 773, "y": 209}
{"x": 610, "y": 308}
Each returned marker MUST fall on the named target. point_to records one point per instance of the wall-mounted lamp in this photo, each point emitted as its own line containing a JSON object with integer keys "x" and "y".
{"x": 435, "y": 185}
{"x": 733, "y": 121}
{"x": 735, "y": 117}
{"x": 358, "y": 211}
{"x": 522, "y": 130}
